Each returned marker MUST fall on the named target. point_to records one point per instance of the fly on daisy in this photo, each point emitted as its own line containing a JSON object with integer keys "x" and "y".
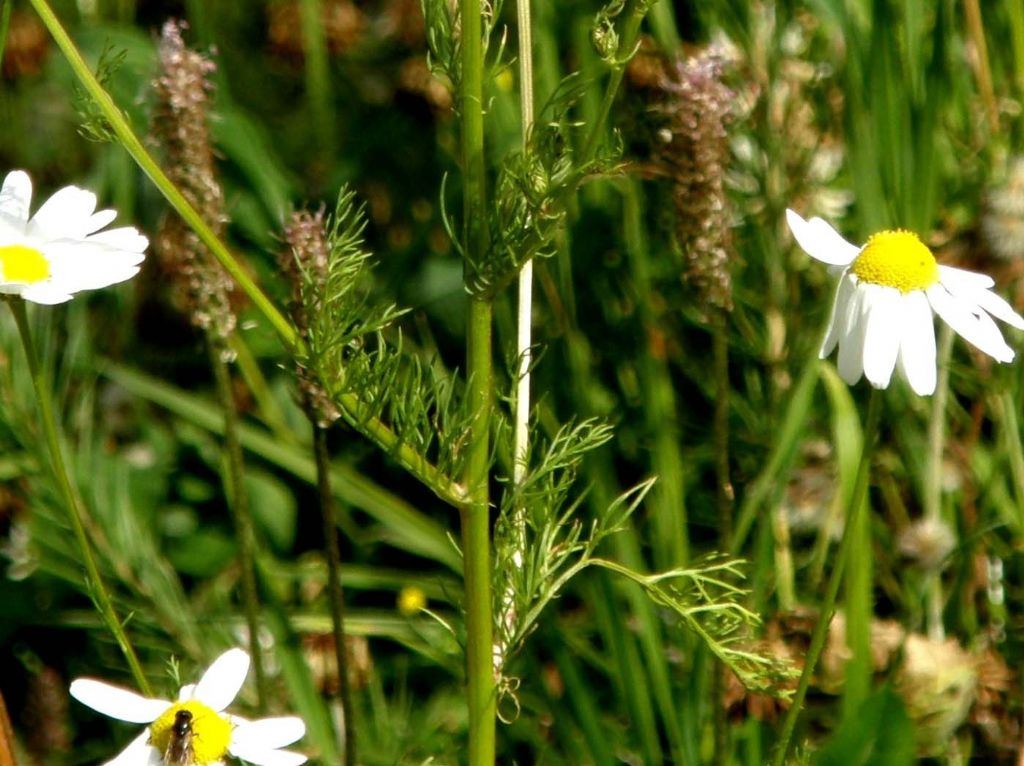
{"x": 195, "y": 730}
{"x": 887, "y": 293}
{"x": 61, "y": 250}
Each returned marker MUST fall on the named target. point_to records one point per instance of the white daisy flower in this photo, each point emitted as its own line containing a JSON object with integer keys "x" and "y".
{"x": 195, "y": 730}
{"x": 882, "y": 315}
{"x": 60, "y": 250}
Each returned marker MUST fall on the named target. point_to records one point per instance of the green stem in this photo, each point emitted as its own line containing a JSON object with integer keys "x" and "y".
{"x": 476, "y": 543}
{"x": 238, "y": 502}
{"x": 72, "y": 502}
{"x": 145, "y": 161}
{"x": 374, "y": 429}
{"x": 933, "y": 480}
{"x": 725, "y": 496}
{"x": 827, "y": 611}
{"x": 318, "y": 82}
{"x": 5, "y": 25}
{"x": 725, "y": 492}
{"x": 628, "y": 41}
{"x": 334, "y": 592}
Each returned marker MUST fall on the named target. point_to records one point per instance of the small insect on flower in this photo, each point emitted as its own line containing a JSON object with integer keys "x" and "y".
{"x": 61, "y": 250}
{"x": 888, "y": 290}
{"x": 179, "y": 748}
{"x": 195, "y": 730}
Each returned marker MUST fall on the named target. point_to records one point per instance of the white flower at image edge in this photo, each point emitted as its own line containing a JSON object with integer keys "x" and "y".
{"x": 59, "y": 251}
{"x": 214, "y": 733}
{"x": 888, "y": 289}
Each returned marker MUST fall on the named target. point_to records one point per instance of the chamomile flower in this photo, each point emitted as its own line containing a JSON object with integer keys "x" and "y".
{"x": 888, "y": 290}
{"x": 59, "y": 251}
{"x": 195, "y": 730}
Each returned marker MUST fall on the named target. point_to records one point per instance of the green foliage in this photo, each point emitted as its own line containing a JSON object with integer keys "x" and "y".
{"x": 880, "y": 733}
{"x": 869, "y": 114}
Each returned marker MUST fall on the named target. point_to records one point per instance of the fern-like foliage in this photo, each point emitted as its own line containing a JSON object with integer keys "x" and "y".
{"x": 95, "y": 126}
{"x": 411, "y": 408}
{"x": 533, "y": 190}
{"x": 444, "y": 35}
{"x": 541, "y": 543}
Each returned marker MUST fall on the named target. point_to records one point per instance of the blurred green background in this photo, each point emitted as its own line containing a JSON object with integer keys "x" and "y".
{"x": 873, "y": 114}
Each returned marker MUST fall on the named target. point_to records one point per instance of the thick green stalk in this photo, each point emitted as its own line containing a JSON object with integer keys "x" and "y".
{"x": 238, "y": 502}
{"x": 476, "y": 543}
{"x": 145, "y": 161}
{"x": 828, "y": 607}
{"x": 334, "y": 592}
{"x": 72, "y": 502}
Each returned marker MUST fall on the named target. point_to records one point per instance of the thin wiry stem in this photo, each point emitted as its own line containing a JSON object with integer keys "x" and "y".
{"x": 447, "y": 488}
{"x": 933, "y": 481}
{"x": 70, "y": 496}
{"x": 827, "y": 610}
{"x": 725, "y": 496}
{"x": 238, "y": 502}
{"x": 524, "y": 318}
{"x": 334, "y": 592}
{"x": 630, "y": 35}
{"x": 318, "y": 80}
{"x": 525, "y": 314}
{"x": 149, "y": 166}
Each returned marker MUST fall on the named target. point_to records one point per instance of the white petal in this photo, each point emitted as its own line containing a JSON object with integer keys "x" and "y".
{"x": 65, "y": 215}
{"x": 138, "y": 753}
{"x": 996, "y": 306}
{"x": 117, "y": 702}
{"x": 881, "y": 334}
{"x": 268, "y": 733}
{"x": 844, "y": 291}
{"x": 917, "y": 344}
{"x": 187, "y": 692}
{"x": 851, "y": 337}
{"x": 977, "y": 329}
{"x": 821, "y": 241}
{"x": 16, "y": 195}
{"x": 84, "y": 267}
{"x": 125, "y": 238}
{"x": 46, "y": 293}
{"x": 99, "y": 219}
{"x": 953, "y": 277}
{"x": 221, "y": 682}
{"x": 269, "y": 757}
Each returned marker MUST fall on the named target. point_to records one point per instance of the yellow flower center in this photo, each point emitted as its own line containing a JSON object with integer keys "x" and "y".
{"x": 22, "y": 265}
{"x": 208, "y": 734}
{"x": 411, "y": 600}
{"x": 897, "y": 259}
